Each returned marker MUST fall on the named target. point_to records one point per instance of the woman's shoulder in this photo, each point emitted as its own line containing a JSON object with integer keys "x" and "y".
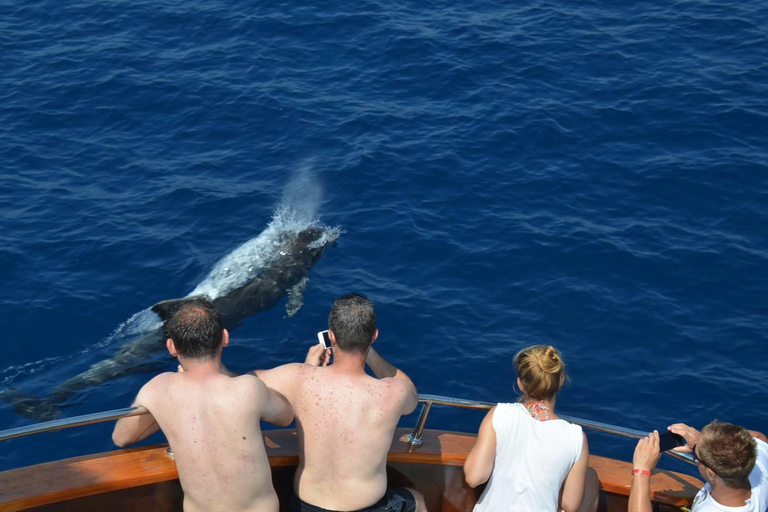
{"x": 575, "y": 426}
{"x": 508, "y": 408}
{"x": 569, "y": 426}
{"x": 575, "y": 429}
{"x": 575, "y": 433}
{"x": 506, "y": 412}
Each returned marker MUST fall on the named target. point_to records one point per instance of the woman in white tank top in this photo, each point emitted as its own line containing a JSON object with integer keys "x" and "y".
{"x": 529, "y": 453}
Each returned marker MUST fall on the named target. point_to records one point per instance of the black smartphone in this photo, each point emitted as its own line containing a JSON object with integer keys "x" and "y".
{"x": 669, "y": 440}
{"x": 324, "y": 340}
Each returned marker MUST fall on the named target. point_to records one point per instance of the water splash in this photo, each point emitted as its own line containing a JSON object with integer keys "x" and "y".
{"x": 296, "y": 212}
{"x": 302, "y": 196}
{"x": 142, "y": 322}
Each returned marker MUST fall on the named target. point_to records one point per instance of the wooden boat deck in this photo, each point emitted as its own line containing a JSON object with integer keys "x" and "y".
{"x": 145, "y": 478}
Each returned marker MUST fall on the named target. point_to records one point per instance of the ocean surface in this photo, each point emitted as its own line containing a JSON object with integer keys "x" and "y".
{"x": 586, "y": 174}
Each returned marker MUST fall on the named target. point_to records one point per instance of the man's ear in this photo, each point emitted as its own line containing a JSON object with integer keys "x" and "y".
{"x": 332, "y": 337}
{"x": 171, "y": 347}
{"x": 224, "y": 338}
{"x": 375, "y": 336}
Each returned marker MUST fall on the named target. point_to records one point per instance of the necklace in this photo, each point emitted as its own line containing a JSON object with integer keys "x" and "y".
{"x": 536, "y": 408}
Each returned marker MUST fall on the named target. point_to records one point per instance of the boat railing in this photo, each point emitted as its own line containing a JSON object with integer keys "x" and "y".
{"x": 75, "y": 421}
{"x": 414, "y": 438}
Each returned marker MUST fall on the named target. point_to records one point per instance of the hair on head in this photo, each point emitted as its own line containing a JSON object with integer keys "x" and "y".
{"x": 196, "y": 329}
{"x": 728, "y": 450}
{"x": 353, "y": 322}
{"x": 541, "y": 370}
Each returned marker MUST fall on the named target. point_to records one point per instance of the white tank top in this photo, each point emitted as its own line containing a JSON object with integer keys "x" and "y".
{"x": 532, "y": 460}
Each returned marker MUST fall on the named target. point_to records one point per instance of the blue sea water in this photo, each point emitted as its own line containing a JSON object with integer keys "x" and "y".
{"x": 587, "y": 174}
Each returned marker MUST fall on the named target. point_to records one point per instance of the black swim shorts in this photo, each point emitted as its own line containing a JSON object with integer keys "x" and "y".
{"x": 398, "y": 499}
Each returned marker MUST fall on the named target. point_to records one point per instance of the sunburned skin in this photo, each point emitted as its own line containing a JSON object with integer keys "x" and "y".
{"x": 345, "y": 421}
{"x": 211, "y": 422}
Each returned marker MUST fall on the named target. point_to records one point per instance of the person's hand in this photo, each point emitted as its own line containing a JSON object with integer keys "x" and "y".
{"x": 317, "y": 355}
{"x": 647, "y": 452}
{"x": 690, "y": 434}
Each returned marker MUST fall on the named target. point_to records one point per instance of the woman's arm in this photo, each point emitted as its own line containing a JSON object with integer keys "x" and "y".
{"x": 573, "y": 487}
{"x": 479, "y": 463}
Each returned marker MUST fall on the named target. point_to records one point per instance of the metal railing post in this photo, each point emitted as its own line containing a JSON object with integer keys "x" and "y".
{"x": 414, "y": 438}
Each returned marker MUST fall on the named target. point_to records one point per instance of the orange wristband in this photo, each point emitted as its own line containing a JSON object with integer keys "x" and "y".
{"x": 641, "y": 471}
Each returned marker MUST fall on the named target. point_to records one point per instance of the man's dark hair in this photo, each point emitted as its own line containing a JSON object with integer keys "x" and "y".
{"x": 353, "y": 321}
{"x": 195, "y": 329}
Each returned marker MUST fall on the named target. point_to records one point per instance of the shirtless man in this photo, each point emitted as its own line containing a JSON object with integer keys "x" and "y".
{"x": 211, "y": 420}
{"x": 345, "y": 418}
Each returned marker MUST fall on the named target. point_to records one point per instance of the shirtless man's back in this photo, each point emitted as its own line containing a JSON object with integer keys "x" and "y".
{"x": 346, "y": 418}
{"x": 212, "y": 425}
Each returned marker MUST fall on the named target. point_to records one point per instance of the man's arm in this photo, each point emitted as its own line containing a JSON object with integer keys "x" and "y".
{"x": 136, "y": 428}
{"x": 276, "y": 409}
{"x": 383, "y": 370}
{"x": 645, "y": 459}
{"x": 316, "y": 356}
{"x": 280, "y": 379}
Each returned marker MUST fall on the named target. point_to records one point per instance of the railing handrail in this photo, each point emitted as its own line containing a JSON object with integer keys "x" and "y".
{"x": 428, "y": 400}
{"x": 414, "y": 438}
{"x": 75, "y": 421}
{"x": 477, "y": 404}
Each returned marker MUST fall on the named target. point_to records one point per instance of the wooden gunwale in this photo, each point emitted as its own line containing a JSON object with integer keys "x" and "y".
{"x": 90, "y": 475}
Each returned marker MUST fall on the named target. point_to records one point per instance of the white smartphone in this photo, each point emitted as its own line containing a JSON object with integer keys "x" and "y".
{"x": 324, "y": 340}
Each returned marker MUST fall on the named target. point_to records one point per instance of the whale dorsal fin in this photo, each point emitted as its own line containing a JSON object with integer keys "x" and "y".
{"x": 167, "y": 308}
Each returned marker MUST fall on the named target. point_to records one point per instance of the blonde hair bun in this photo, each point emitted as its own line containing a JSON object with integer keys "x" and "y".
{"x": 541, "y": 369}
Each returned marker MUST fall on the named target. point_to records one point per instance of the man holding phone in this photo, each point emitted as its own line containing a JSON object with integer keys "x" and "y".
{"x": 345, "y": 419}
{"x": 732, "y": 460}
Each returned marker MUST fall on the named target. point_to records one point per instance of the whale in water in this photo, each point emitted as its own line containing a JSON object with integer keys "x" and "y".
{"x": 267, "y": 278}
{"x": 250, "y": 279}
